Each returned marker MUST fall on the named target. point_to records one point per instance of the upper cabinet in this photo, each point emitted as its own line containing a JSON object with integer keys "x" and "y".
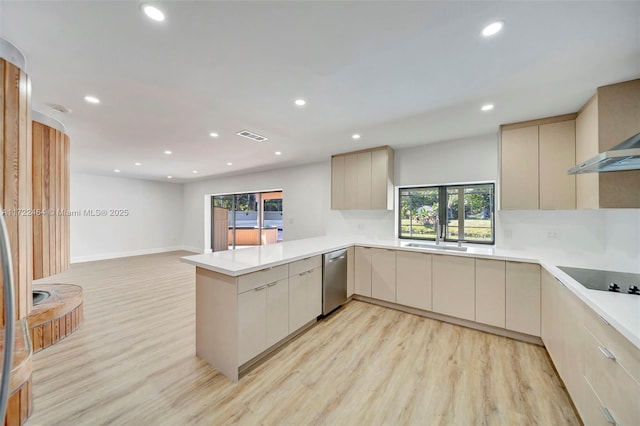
{"x": 608, "y": 118}
{"x": 534, "y": 159}
{"x": 362, "y": 180}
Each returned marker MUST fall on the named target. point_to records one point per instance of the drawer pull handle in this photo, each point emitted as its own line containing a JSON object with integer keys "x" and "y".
{"x": 603, "y": 320}
{"x": 260, "y": 288}
{"x": 607, "y": 415}
{"x": 607, "y": 353}
{"x": 272, "y": 284}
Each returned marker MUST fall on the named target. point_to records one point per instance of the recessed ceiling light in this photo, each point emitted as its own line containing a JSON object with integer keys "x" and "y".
{"x": 214, "y": 134}
{"x": 487, "y": 107}
{"x": 492, "y": 28}
{"x": 278, "y": 153}
{"x": 116, "y": 170}
{"x": 300, "y": 102}
{"x": 92, "y": 99}
{"x": 169, "y": 177}
{"x": 153, "y": 12}
{"x": 194, "y": 171}
{"x": 229, "y": 164}
{"x": 167, "y": 152}
{"x": 138, "y": 164}
{"x": 356, "y": 136}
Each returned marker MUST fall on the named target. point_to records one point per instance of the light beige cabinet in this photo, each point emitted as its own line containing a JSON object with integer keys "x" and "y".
{"x": 351, "y": 267}
{"x": 383, "y": 274}
{"x": 563, "y": 335}
{"x": 534, "y": 159}
{"x": 262, "y": 318}
{"x": 454, "y": 285}
{"x": 363, "y": 180}
{"x": 305, "y": 292}
{"x": 611, "y": 116}
{"x": 413, "y": 279}
{"x": 490, "y": 292}
{"x": 523, "y": 298}
{"x": 612, "y": 373}
{"x": 363, "y": 271}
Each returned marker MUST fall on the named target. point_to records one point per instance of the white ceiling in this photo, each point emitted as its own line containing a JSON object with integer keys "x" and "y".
{"x": 399, "y": 73}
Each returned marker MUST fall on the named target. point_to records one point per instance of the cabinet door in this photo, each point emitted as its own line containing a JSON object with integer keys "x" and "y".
{"x": 413, "y": 279}
{"x": 297, "y": 301}
{"x": 523, "y": 298}
{"x": 337, "y": 182}
{"x": 277, "y": 311}
{"x": 573, "y": 335}
{"x": 351, "y": 181}
{"x": 314, "y": 293}
{"x": 252, "y": 329}
{"x": 351, "y": 266}
{"x": 519, "y": 169}
{"x": 380, "y": 179}
{"x": 363, "y": 271}
{"x": 552, "y": 319}
{"x": 490, "y": 292}
{"x": 454, "y": 286}
{"x": 383, "y": 274}
{"x": 557, "y": 143}
{"x": 364, "y": 181}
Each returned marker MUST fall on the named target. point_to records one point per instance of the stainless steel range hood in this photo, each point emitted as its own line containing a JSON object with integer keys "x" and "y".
{"x": 625, "y": 156}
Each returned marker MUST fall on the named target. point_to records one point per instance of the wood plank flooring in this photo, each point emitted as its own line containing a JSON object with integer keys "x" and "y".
{"x": 133, "y": 363}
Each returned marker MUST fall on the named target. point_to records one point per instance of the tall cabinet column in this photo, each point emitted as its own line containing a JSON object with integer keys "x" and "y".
{"x": 15, "y": 194}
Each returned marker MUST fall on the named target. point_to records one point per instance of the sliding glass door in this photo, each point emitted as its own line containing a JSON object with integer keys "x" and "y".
{"x": 246, "y": 219}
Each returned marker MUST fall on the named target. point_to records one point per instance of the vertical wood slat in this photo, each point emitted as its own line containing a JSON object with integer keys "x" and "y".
{"x": 15, "y": 181}
{"x": 51, "y": 194}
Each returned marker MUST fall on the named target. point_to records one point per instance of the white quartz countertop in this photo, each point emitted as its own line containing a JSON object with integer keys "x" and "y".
{"x": 620, "y": 310}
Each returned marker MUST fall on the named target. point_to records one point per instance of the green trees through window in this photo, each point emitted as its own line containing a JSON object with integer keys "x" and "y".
{"x": 465, "y": 212}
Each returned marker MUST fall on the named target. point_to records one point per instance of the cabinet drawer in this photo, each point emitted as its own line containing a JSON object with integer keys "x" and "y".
{"x": 626, "y": 353}
{"x": 617, "y": 390}
{"x": 259, "y": 278}
{"x": 304, "y": 265}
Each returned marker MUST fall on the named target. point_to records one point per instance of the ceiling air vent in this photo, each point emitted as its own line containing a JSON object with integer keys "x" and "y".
{"x": 250, "y": 135}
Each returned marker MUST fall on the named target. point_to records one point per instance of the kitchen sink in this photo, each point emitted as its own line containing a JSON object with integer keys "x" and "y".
{"x": 434, "y": 246}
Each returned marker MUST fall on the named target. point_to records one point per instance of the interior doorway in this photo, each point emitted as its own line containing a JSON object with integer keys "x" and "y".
{"x": 246, "y": 219}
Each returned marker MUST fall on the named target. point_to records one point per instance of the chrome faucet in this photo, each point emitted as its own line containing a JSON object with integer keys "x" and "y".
{"x": 437, "y": 229}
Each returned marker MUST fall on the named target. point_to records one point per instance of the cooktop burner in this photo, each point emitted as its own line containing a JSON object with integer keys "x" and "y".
{"x": 617, "y": 282}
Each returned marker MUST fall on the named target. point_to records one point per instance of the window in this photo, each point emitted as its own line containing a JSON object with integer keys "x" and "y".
{"x": 465, "y": 212}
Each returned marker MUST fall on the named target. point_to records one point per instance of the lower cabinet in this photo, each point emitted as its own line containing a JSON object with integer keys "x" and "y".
{"x": 383, "y": 274}
{"x": 523, "y": 298}
{"x": 413, "y": 279}
{"x": 363, "y": 271}
{"x": 305, "y": 292}
{"x": 490, "y": 292}
{"x": 263, "y": 314}
{"x": 454, "y": 286}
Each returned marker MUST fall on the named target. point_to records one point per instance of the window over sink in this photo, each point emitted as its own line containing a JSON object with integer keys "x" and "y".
{"x": 465, "y": 212}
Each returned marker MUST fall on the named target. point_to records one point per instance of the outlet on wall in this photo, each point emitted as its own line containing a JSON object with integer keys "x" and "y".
{"x": 360, "y": 226}
{"x": 553, "y": 235}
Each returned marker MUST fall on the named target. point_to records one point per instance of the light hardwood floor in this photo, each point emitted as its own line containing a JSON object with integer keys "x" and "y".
{"x": 133, "y": 362}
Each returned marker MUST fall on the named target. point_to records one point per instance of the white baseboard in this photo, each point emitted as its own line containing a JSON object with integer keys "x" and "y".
{"x": 104, "y": 256}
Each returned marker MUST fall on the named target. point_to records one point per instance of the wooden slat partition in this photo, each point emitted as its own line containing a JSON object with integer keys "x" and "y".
{"x": 51, "y": 196}
{"x": 15, "y": 181}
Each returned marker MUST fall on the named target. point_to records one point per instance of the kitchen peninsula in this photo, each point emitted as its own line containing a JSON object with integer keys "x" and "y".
{"x": 232, "y": 336}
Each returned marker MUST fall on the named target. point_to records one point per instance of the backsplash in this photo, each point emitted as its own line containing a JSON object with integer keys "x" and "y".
{"x": 604, "y": 239}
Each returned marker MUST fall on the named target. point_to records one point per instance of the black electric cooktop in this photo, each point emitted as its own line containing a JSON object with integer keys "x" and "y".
{"x": 617, "y": 282}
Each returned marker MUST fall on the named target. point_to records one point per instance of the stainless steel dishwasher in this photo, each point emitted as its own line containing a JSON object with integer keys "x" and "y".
{"x": 334, "y": 280}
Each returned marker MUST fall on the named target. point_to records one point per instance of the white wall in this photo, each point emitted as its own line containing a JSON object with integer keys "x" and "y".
{"x": 306, "y": 200}
{"x": 154, "y": 222}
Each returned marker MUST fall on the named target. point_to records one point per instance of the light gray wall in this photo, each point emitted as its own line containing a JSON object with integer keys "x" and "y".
{"x": 154, "y": 222}
{"x": 306, "y": 192}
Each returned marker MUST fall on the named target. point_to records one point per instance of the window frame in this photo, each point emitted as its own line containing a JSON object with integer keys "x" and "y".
{"x": 442, "y": 209}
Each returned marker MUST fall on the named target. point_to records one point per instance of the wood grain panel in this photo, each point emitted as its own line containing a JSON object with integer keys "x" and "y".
{"x": 50, "y": 160}
{"x": 15, "y": 172}
{"x": 557, "y": 154}
{"x": 519, "y": 169}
